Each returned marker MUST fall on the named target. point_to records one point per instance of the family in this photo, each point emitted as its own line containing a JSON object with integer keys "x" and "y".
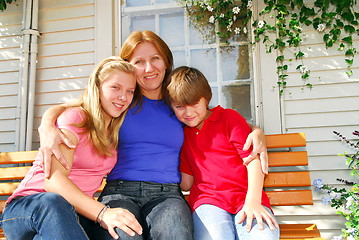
{"x": 149, "y": 129}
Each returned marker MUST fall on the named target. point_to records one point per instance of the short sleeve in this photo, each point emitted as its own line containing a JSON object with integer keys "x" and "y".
{"x": 239, "y": 131}
{"x": 70, "y": 117}
{"x": 184, "y": 166}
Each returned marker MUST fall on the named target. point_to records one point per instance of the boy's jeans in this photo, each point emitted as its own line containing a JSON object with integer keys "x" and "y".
{"x": 214, "y": 223}
{"x": 41, "y": 216}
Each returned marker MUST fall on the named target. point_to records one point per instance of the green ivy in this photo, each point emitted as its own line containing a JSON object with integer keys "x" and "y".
{"x": 335, "y": 19}
{"x": 3, "y": 4}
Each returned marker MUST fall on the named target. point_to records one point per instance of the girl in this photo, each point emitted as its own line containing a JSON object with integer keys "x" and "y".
{"x": 48, "y": 209}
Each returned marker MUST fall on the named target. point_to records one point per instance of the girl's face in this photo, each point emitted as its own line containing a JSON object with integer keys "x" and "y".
{"x": 116, "y": 94}
{"x": 192, "y": 115}
{"x": 150, "y": 69}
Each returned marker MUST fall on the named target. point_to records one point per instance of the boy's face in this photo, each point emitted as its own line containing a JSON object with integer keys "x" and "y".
{"x": 192, "y": 115}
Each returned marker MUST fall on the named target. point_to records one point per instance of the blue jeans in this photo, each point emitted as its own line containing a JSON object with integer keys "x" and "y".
{"x": 159, "y": 208}
{"x": 41, "y": 216}
{"x": 214, "y": 223}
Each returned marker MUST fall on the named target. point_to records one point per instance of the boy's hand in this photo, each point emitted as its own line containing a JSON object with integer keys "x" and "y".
{"x": 251, "y": 211}
{"x": 257, "y": 139}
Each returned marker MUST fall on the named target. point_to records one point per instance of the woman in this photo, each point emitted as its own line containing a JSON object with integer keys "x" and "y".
{"x": 45, "y": 209}
{"x": 145, "y": 179}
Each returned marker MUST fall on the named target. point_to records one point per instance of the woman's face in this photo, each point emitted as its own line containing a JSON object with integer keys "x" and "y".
{"x": 150, "y": 69}
{"x": 116, "y": 94}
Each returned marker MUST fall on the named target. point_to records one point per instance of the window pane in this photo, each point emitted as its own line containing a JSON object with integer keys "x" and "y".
{"x": 206, "y": 61}
{"x": 214, "y": 101}
{"x": 196, "y": 37}
{"x": 172, "y": 29}
{"x": 237, "y": 97}
{"x": 235, "y": 63}
{"x": 179, "y": 58}
{"x": 136, "y": 3}
{"x": 164, "y": 1}
{"x": 143, "y": 23}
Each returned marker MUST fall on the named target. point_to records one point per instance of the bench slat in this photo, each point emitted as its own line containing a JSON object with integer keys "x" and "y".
{"x": 285, "y": 140}
{"x": 8, "y": 188}
{"x": 11, "y": 173}
{"x": 17, "y": 157}
{"x": 296, "y": 231}
{"x": 287, "y": 179}
{"x": 290, "y": 197}
{"x": 282, "y": 159}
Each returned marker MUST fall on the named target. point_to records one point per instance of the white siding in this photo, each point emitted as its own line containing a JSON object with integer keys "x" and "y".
{"x": 66, "y": 53}
{"x": 10, "y": 40}
{"x": 332, "y": 104}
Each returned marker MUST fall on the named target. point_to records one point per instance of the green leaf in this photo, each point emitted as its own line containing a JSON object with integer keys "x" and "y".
{"x": 349, "y": 61}
{"x": 349, "y": 28}
{"x": 280, "y": 58}
{"x": 299, "y": 55}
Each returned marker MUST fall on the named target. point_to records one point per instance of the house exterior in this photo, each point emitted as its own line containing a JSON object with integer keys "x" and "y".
{"x": 48, "y": 49}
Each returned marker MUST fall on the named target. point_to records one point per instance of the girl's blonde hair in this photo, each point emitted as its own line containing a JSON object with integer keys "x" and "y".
{"x": 138, "y": 37}
{"x": 89, "y": 101}
{"x": 186, "y": 86}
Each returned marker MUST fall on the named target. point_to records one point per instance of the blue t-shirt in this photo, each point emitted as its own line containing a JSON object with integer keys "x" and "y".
{"x": 149, "y": 145}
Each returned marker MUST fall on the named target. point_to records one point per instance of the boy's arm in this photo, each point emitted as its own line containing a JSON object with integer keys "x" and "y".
{"x": 186, "y": 182}
{"x": 58, "y": 182}
{"x": 51, "y": 137}
{"x": 257, "y": 139}
{"x": 253, "y": 204}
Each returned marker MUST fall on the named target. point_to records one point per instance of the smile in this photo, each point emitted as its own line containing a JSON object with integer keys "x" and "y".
{"x": 151, "y": 77}
{"x": 118, "y": 105}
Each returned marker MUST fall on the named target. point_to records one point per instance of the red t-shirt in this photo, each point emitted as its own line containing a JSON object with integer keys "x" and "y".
{"x": 213, "y": 155}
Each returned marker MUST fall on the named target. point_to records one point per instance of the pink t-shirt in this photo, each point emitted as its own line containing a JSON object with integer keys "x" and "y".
{"x": 213, "y": 155}
{"x": 88, "y": 168}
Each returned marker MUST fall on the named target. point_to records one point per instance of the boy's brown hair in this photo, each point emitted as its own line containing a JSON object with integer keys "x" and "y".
{"x": 186, "y": 86}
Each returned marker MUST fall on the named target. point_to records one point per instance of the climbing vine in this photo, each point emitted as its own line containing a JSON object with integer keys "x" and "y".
{"x": 3, "y": 4}
{"x": 336, "y": 20}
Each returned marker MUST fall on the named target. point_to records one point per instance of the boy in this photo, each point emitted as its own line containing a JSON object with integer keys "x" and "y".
{"x": 225, "y": 195}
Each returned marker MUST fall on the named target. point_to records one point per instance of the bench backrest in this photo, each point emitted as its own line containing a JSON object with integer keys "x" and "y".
{"x": 280, "y": 183}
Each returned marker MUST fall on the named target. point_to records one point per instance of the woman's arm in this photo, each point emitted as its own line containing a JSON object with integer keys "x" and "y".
{"x": 253, "y": 204}
{"x": 186, "y": 182}
{"x": 51, "y": 137}
{"x": 257, "y": 139}
{"x": 59, "y": 182}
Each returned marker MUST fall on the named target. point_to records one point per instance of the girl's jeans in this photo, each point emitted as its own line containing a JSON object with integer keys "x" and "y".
{"x": 41, "y": 216}
{"x": 159, "y": 208}
{"x": 214, "y": 223}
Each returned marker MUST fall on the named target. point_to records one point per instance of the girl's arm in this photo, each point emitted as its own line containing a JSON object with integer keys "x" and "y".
{"x": 186, "y": 182}
{"x": 257, "y": 139}
{"x": 253, "y": 204}
{"x": 51, "y": 137}
{"x": 58, "y": 182}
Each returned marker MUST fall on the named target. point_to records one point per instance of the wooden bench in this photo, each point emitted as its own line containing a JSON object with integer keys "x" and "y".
{"x": 280, "y": 183}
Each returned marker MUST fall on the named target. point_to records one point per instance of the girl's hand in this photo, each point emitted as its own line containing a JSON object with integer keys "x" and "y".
{"x": 50, "y": 139}
{"x": 258, "y": 212}
{"x": 257, "y": 139}
{"x": 122, "y": 219}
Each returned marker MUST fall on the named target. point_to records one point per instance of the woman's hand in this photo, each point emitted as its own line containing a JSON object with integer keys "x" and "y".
{"x": 122, "y": 219}
{"x": 256, "y": 139}
{"x": 258, "y": 212}
{"x": 50, "y": 139}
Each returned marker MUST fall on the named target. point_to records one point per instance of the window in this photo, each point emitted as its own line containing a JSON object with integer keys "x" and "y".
{"x": 227, "y": 68}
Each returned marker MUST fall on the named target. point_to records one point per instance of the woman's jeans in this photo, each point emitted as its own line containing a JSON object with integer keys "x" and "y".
{"x": 214, "y": 223}
{"x": 159, "y": 208}
{"x": 41, "y": 216}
